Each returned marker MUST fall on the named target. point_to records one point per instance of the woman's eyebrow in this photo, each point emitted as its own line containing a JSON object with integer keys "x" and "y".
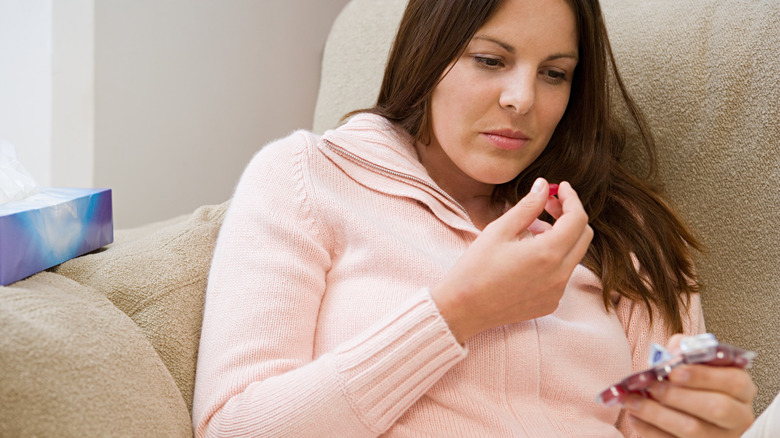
{"x": 503, "y": 45}
{"x": 511, "y": 49}
{"x": 572, "y": 56}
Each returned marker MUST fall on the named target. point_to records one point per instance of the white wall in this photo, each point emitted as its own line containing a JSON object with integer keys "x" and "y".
{"x": 163, "y": 101}
{"x": 187, "y": 91}
{"x": 25, "y": 82}
{"x": 73, "y": 93}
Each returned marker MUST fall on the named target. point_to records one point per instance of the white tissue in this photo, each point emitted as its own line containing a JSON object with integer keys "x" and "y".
{"x": 15, "y": 182}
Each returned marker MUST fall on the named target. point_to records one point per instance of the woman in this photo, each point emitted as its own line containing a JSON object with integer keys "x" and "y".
{"x": 386, "y": 278}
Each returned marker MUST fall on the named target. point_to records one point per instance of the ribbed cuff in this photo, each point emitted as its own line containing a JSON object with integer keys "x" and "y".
{"x": 395, "y": 361}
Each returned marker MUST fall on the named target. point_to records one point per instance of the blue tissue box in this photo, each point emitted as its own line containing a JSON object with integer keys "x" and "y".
{"x": 50, "y": 227}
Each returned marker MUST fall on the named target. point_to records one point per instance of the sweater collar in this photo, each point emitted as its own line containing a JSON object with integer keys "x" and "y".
{"x": 380, "y": 142}
{"x": 368, "y": 146}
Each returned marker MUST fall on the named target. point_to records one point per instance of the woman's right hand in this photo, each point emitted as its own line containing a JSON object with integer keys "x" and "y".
{"x": 518, "y": 268}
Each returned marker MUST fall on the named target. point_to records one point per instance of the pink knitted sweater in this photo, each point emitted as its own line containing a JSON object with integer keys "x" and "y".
{"x": 318, "y": 320}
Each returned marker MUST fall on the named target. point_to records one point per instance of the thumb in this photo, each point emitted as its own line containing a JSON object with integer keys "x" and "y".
{"x": 525, "y": 212}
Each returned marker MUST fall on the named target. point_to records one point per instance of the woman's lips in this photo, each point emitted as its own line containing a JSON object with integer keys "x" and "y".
{"x": 507, "y": 139}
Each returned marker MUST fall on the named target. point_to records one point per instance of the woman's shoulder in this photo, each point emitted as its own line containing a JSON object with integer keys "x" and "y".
{"x": 285, "y": 149}
{"x": 277, "y": 165}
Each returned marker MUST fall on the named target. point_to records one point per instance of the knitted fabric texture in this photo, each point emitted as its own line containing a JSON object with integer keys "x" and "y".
{"x": 318, "y": 318}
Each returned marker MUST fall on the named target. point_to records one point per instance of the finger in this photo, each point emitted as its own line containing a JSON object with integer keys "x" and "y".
{"x": 539, "y": 226}
{"x": 646, "y": 430}
{"x": 568, "y": 196}
{"x": 732, "y": 381}
{"x": 571, "y": 223}
{"x": 574, "y": 207}
{"x": 554, "y": 207}
{"x": 575, "y": 255}
{"x": 713, "y": 407}
{"x": 570, "y": 203}
{"x": 522, "y": 214}
{"x": 669, "y": 420}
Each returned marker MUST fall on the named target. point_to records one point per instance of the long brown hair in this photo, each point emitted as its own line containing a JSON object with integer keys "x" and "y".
{"x": 640, "y": 248}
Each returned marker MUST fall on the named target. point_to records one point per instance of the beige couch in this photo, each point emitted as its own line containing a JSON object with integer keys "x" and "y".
{"x": 106, "y": 344}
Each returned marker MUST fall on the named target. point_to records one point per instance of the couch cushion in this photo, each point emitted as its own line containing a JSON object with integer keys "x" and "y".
{"x": 157, "y": 275}
{"x": 72, "y": 364}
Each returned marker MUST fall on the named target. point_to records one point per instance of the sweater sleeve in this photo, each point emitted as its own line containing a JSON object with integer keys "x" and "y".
{"x": 642, "y": 332}
{"x": 256, "y": 374}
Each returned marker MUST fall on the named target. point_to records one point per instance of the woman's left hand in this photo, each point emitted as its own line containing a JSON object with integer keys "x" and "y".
{"x": 697, "y": 401}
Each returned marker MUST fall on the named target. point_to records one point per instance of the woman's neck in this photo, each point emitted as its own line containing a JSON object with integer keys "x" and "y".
{"x": 474, "y": 196}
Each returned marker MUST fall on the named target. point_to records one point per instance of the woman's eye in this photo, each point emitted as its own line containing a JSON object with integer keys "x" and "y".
{"x": 554, "y": 76}
{"x": 487, "y": 62}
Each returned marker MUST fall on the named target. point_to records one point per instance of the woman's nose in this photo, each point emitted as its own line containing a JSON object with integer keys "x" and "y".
{"x": 519, "y": 92}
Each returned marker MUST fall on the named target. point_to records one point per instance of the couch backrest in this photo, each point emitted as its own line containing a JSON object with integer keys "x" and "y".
{"x": 706, "y": 75}
{"x": 354, "y": 60}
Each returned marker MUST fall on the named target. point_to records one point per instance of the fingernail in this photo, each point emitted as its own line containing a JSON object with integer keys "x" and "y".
{"x": 538, "y": 184}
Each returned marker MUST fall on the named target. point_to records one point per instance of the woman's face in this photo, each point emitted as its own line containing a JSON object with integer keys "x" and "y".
{"x": 494, "y": 111}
